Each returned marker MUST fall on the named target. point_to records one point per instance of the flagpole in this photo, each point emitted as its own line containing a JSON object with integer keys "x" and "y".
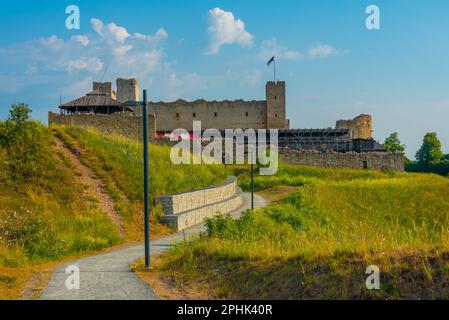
{"x": 274, "y": 70}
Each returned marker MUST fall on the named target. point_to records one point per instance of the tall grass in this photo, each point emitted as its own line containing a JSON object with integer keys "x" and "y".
{"x": 119, "y": 163}
{"x": 44, "y": 214}
{"x": 337, "y": 223}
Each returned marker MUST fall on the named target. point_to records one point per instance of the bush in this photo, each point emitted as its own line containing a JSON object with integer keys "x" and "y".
{"x": 225, "y": 227}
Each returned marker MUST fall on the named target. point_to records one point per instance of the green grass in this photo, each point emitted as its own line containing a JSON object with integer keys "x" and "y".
{"x": 44, "y": 215}
{"x": 318, "y": 242}
{"x": 119, "y": 163}
{"x": 122, "y": 159}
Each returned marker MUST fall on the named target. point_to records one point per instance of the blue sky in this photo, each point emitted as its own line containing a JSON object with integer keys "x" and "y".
{"x": 335, "y": 67}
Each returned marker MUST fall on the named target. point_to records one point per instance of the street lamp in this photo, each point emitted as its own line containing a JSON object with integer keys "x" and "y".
{"x": 146, "y": 182}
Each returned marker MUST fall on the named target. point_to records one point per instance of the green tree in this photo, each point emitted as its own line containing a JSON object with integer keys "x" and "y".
{"x": 19, "y": 113}
{"x": 393, "y": 144}
{"x": 15, "y": 126}
{"x": 430, "y": 150}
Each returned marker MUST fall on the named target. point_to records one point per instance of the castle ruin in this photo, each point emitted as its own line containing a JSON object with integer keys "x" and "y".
{"x": 103, "y": 107}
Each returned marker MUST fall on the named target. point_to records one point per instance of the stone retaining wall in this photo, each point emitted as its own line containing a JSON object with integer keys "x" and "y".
{"x": 191, "y": 208}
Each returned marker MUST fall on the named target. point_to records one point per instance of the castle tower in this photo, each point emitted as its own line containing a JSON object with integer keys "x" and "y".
{"x": 105, "y": 88}
{"x": 360, "y": 127}
{"x": 127, "y": 90}
{"x": 276, "y": 117}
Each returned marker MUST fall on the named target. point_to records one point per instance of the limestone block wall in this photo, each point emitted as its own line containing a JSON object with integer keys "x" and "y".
{"x": 191, "y": 208}
{"x": 213, "y": 114}
{"x": 369, "y": 160}
{"x": 360, "y": 127}
{"x": 127, "y": 90}
{"x": 129, "y": 126}
{"x": 106, "y": 88}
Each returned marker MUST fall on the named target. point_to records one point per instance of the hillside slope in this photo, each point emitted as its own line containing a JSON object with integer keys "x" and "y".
{"x": 44, "y": 214}
{"x": 56, "y": 205}
{"x": 317, "y": 241}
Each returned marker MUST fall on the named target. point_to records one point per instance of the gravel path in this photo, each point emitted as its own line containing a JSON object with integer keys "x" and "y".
{"x": 109, "y": 277}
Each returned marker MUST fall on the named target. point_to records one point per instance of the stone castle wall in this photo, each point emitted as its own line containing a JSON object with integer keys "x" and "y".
{"x": 106, "y": 88}
{"x": 191, "y": 208}
{"x": 213, "y": 114}
{"x": 126, "y": 125}
{"x": 360, "y": 127}
{"x": 262, "y": 114}
{"x": 369, "y": 160}
{"x": 127, "y": 90}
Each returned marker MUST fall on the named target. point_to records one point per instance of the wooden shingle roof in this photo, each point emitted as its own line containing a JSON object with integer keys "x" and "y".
{"x": 92, "y": 99}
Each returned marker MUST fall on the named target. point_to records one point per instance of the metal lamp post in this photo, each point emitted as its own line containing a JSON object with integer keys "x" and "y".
{"x": 146, "y": 182}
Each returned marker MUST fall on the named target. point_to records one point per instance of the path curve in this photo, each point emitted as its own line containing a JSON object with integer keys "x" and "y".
{"x": 109, "y": 277}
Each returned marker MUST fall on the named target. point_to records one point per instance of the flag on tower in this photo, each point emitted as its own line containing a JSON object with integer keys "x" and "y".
{"x": 270, "y": 61}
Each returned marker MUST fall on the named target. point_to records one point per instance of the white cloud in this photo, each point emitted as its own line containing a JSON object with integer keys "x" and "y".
{"x": 97, "y": 25}
{"x": 52, "y": 42}
{"x": 160, "y": 35}
{"x": 225, "y": 29}
{"x": 271, "y": 47}
{"x": 84, "y": 57}
{"x": 85, "y": 64}
{"x": 123, "y": 50}
{"x": 321, "y": 51}
{"x": 84, "y": 40}
{"x": 118, "y": 33}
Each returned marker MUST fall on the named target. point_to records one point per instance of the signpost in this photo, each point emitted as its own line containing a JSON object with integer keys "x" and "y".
{"x": 146, "y": 182}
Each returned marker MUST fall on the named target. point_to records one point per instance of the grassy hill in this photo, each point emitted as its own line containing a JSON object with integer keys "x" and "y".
{"x": 315, "y": 240}
{"x": 319, "y": 238}
{"x": 44, "y": 216}
{"x": 47, "y": 215}
{"x": 119, "y": 163}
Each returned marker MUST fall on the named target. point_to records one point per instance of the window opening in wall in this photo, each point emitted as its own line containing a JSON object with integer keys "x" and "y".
{"x": 177, "y": 116}
{"x": 276, "y": 115}
{"x": 246, "y": 114}
{"x": 365, "y": 164}
{"x": 215, "y": 114}
{"x": 194, "y": 115}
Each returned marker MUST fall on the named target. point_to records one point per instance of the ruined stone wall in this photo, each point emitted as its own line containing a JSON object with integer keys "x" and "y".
{"x": 127, "y": 90}
{"x": 129, "y": 126}
{"x": 213, "y": 114}
{"x": 191, "y": 208}
{"x": 105, "y": 88}
{"x": 369, "y": 160}
{"x": 359, "y": 128}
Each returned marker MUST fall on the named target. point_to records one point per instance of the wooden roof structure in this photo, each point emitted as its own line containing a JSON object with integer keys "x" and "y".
{"x": 94, "y": 102}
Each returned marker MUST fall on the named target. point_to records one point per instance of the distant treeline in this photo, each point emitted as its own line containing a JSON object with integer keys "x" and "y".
{"x": 429, "y": 158}
{"x": 441, "y": 167}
